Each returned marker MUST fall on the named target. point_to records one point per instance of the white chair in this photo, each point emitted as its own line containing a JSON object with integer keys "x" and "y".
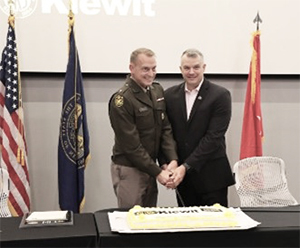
{"x": 261, "y": 182}
{"x": 4, "y": 193}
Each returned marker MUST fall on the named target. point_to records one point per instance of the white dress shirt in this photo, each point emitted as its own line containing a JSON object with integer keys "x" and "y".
{"x": 190, "y": 96}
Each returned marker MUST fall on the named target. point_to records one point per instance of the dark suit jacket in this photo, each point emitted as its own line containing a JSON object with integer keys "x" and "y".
{"x": 201, "y": 139}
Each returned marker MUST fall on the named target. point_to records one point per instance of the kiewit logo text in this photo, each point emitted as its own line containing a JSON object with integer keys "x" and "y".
{"x": 24, "y": 8}
{"x": 108, "y": 7}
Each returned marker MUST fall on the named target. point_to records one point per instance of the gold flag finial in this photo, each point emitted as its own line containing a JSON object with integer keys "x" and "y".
{"x": 71, "y": 14}
{"x": 10, "y": 3}
{"x": 11, "y": 18}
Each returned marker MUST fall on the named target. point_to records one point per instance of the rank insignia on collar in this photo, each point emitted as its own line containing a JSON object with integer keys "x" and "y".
{"x": 119, "y": 101}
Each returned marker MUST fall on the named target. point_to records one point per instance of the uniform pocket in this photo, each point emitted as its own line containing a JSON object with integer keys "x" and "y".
{"x": 144, "y": 118}
{"x": 160, "y": 112}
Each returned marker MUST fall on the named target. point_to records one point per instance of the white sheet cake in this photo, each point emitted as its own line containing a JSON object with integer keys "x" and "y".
{"x": 181, "y": 217}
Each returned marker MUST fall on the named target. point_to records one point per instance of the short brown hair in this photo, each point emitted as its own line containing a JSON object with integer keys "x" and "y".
{"x": 139, "y": 51}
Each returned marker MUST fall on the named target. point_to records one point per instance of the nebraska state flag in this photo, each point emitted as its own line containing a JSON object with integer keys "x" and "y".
{"x": 73, "y": 147}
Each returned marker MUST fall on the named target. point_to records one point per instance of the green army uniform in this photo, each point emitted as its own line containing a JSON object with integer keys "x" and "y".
{"x": 142, "y": 129}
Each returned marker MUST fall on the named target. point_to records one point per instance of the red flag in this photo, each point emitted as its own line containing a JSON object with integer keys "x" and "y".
{"x": 252, "y": 131}
{"x": 13, "y": 152}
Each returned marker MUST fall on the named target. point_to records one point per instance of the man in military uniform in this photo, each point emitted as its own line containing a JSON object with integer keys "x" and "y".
{"x": 142, "y": 132}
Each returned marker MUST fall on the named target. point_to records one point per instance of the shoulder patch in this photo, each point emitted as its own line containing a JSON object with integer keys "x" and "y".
{"x": 119, "y": 101}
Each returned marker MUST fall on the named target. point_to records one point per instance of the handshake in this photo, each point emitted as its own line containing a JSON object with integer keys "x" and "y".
{"x": 171, "y": 175}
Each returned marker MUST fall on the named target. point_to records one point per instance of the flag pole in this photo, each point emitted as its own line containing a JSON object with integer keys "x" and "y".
{"x": 11, "y": 18}
{"x": 71, "y": 27}
{"x": 73, "y": 147}
{"x": 21, "y": 147}
{"x": 13, "y": 147}
{"x": 252, "y": 128}
{"x": 256, "y": 20}
{"x": 71, "y": 15}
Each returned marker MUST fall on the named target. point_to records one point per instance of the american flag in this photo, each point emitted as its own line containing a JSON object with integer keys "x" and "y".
{"x": 12, "y": 137}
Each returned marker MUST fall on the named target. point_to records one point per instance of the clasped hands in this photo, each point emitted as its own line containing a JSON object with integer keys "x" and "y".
{"x": 171, "y": 175}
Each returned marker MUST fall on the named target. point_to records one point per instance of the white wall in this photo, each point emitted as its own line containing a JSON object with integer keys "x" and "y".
{"x": 113, "y": 28}
{"x": 42, "y": 95}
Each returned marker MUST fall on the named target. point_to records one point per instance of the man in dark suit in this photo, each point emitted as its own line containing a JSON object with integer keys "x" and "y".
{"x": 199, "y": 112}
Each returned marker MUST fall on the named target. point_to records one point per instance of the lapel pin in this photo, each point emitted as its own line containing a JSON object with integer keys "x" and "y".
{"x": 199, "y": 97}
